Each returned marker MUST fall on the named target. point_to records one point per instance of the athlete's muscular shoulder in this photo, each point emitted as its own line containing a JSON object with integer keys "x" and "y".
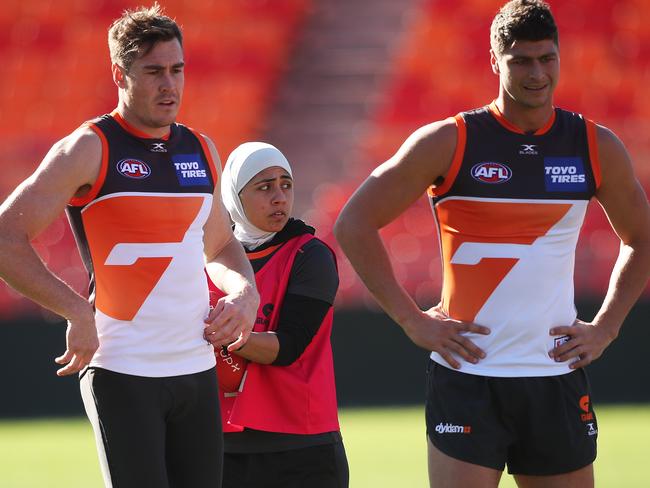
{"x": 75, "y": 159}
{"x": 70, "y": 168}
{"x": 614, "y": 162}
{"x": 427, "y": 153}
{"x": 217, "y": 233}
{"x": 214, "y": 153}
{"x": 393, "y": 186}
{"x": 620, "y": 193}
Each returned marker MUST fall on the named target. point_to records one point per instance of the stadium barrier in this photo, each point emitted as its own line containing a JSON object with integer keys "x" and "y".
{"x": 375, "y": 364}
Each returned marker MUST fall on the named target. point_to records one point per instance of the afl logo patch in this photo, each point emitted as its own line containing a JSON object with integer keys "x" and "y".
{"x": 491, "y": 172}
{"x": 133, "y": 168}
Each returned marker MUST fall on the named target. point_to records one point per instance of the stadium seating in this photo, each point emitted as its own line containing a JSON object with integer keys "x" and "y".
{"x": 56, "y": 75}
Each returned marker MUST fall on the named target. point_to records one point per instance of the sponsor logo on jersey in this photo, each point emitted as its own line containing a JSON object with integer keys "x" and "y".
{"x": 591, "y": 429}
{"x": 453, "y": 429}
{"x": 584, "y": 406}
{"x": 158, "y": 147}
{"x": 229, "y": 360}
{"x": 528, "y": 149}
{"x": 489, "y": 172}
{"x": 267, "y": 309}
{"x": 190, "y": 170}
{"x": 558, "y": 341}
{"x": 133, "y": 168}
{"x": 565, "y": 174}
{"x": 140, "y": 258}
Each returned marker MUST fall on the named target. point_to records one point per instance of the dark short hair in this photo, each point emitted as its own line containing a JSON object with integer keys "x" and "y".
{"x": 524, "y": 20}
{"x": 136, "y": 32}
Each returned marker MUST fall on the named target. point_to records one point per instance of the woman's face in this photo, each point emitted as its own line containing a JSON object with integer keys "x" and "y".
{"x": 268, "y": 199}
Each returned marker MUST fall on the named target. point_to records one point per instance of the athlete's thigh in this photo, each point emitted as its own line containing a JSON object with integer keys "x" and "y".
{"x": 129, "y": 427}
{"x": 581, "y": 478}
{"x": 194, "y": 434}
{"x": 448, "y": 472}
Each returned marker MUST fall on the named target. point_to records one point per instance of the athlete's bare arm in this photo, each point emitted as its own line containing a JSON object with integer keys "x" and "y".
{"x": 626, "y": 206}
{"x": 233, "y": 317}
{"x": 69, "y": 169}
{"x": 389, "y": 190}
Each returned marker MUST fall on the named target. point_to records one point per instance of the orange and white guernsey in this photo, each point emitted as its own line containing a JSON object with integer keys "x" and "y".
{"x": 140, "y": 235}
{"x": 508, "y": 214}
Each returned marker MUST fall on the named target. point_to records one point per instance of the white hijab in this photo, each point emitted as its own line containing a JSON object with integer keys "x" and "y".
{"x": 243, "y": 164}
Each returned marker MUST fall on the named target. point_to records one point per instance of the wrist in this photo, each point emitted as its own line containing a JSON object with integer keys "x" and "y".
{"x": 408, "y": 316}
{"x": 409, "y": 323}
{"x": 250, "y": 293}
{"x": 611, "y": 330}
{"x": 81, "y": 311}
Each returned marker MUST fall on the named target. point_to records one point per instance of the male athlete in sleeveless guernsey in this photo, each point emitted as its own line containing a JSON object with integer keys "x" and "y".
{"x": 509, "y": 213}
{"x": 140, "y": 233}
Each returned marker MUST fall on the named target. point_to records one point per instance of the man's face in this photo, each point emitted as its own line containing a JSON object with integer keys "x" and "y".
{"x": 529, "y": 71}
{"x": 153, "y": 86}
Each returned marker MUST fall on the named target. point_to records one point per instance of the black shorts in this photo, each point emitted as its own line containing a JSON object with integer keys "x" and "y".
{"x": 155, "y": 432}
{"x": 536, "y": 425}
{"x": 323, "y": 466}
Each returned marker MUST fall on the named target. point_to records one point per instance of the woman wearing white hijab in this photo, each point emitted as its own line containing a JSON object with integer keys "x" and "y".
{"x": 278, "y": 398}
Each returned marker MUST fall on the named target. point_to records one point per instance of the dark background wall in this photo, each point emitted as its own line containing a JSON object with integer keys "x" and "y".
{"x": 375, "y": 364}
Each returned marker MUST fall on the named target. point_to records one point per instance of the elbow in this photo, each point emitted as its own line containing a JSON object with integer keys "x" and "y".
{"x": 339, "y": 227}
{"x": 286, "y": 356}
{"x": 639, "y": 244}
{"x": 265, "y": 361}
{"x": 344, "y": 227}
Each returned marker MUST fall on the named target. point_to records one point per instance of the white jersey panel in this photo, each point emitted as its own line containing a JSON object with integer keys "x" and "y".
{"x": 161, "y": 332}
{"x": 535, "y": 294}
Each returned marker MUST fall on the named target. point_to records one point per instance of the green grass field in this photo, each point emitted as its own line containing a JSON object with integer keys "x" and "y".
{"x": 386, "y": 448}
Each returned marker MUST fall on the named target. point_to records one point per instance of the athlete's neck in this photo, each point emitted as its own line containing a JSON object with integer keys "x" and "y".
{"x": 135, "y": 127}
{"x": 526, "y": 119}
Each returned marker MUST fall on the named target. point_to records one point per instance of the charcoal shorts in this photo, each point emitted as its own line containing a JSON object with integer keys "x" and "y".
{"x": 536, "y": 426}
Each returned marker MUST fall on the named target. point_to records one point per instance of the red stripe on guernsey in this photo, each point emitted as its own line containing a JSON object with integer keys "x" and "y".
{"x": 494, "y": 110}
{"x": 592, "y": 142}
{"x": 208, "y": 154}
{"x": 94, "y": 190}
{"x": 455, "y": 162}
{"x": 124, "y": 283}
{"x": 466, "y": 287}
{"x": 132, "y": 130}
